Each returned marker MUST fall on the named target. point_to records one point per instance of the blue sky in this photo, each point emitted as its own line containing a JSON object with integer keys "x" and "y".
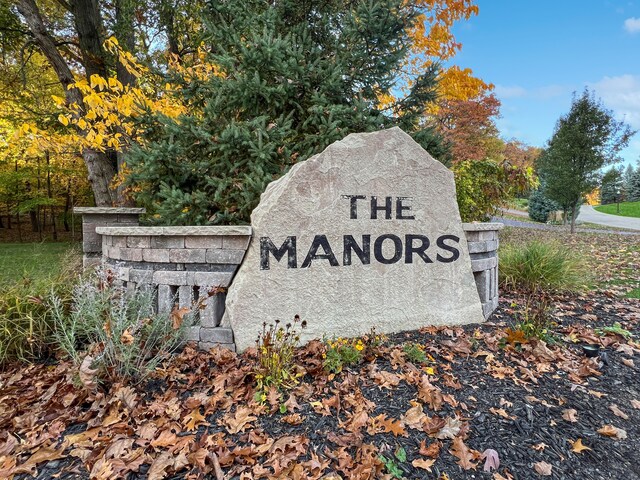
{"x": 537, "y": 52}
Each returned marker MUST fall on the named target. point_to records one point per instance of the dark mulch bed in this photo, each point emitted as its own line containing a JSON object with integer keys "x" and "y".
{"x": 509, "y": 397}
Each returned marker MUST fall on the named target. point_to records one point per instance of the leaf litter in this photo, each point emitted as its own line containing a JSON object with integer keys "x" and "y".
{"x": 491, "y": 402}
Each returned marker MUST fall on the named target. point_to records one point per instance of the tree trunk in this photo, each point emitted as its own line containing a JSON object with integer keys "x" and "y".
{"x": 88, "y": 23}
{"x": 35, "y": 224}
{"x": 50, "y": 196}
{"x": 573, "y": 218}
{"x": 166, "y": 18}
{"x": 19, "y": 227}
{"x": 101, "y": 169}
{"x": 101, "y": 172}
{"x": 67, "y": 206}
{"x": 125, "y": 33}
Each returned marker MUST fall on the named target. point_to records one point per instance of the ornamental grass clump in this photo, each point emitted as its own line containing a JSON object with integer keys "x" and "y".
{"x": 536, "y": 271}
{"x": 26, "y": 316}
{"x": 275, "y": 348}
{"x": 114, "y": 334}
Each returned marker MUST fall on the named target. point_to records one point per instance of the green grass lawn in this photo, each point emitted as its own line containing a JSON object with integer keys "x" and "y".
{"x": 30, "y": 260}
{"x": 627, "y": 209}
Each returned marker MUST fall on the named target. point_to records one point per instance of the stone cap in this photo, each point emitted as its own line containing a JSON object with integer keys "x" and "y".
{"x": 211, "y": 230}
{"x": 482, "y": 226}
{"x": 109, "y": 210}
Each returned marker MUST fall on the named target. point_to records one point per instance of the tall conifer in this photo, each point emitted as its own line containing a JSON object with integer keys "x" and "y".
{"x": 296, "y": 76}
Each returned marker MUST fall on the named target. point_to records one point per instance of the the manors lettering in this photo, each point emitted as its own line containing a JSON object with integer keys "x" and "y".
{"x": 406, "y": 249}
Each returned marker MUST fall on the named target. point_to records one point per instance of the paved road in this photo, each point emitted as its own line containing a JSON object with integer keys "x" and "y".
{"x": 555, "y": 228}
{"x": 589, "y": 214}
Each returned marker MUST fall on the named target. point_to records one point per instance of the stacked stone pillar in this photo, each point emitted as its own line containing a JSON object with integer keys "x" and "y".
{"x": 483, "y": 242}
{"x": 93, "y": 217}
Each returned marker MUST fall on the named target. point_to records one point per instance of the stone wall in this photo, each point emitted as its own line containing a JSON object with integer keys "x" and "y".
{"x": 196, "y": 264}
{"x": 184, "y": 265}
{"x": 483, "y": 242}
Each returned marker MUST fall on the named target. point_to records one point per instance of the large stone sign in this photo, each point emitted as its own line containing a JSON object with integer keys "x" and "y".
{"x": 365, "y": 234}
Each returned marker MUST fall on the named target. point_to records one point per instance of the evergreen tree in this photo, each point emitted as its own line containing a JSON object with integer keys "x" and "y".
{"x": 627, "y": 181}
{"x": 634, "y": 187}
{"x": 294, "y": 78}
{"x": 611, "y": 188}
{"x": 585, "y": 140}
{"x": 540, "y": 206}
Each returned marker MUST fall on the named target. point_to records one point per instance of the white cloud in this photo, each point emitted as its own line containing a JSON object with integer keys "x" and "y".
{"x": 541, "y": 93}
{"x": 632, "y": 25}
{"x": 510, "y": 92}
{"x": 622, "y": 95}
{"x": 551, "y": 91}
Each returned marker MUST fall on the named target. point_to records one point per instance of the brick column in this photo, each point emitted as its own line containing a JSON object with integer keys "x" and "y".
{"x": 483, "y": 242}
{"x": 93, "y": 217}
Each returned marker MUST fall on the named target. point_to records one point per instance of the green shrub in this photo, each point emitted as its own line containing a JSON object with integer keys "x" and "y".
{"x": 537, "y": 270}
{"x": 26, "y": 317}
{"x": 275, "y": 349}
{"x": 113, "y": 334}
{"x": 540, "y": 206}
{"x": 484, "y": 186}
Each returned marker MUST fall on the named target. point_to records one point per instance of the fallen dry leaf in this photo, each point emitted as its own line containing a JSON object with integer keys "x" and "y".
{"x": 617, "y": 412}
{"x": 86, "y": 373}
{"x": 45, "y": 454}
{"x": 423, "y": 463}
{"x": 492, "y": 460}
{"x": 543, "y": 468}
{"x": 611, "y": 431}
{"x": 501, "y": 412}
{"x": 293, "y": 419}
{"x": 578, "y": 447}
{"x": 464, "y": 454}
{"x": 193, "y": 419}
{"x": 635, "y": 404}
{"x": 432, "y": 451}
{"x": 414, "y": 417}
{"x": 126, "y": 338}
{"x": 240, "y": 420}
{"x": 497, "y": 476}
{"x": 596, "y": 394}
{"x": 570, "y": 415}
{"x": 450, "y": 430}
{"x": 177, "y": 316}
{"x": 628, "y": 362}
{"x": 626, "y": 349}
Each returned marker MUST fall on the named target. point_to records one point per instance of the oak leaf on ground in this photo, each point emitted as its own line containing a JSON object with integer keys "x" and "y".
{"x": 617, "y": 412}
{"x": 432, "y": 451}
{"x": 464, "y": 454}
{"x": 578, "y": 446}
{"x": 423, "y": 463}
{"x": 450, "y": 429}
{"x": 611, "y": 431}
{"x": 240, "y": 420}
